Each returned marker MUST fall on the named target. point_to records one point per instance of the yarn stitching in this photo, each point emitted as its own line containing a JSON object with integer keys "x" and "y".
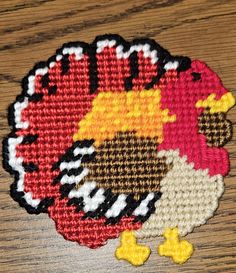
{"x": 84, "y": 134}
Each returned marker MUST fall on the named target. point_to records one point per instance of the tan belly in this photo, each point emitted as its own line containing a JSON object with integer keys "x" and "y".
{"x": 189, "y": 198}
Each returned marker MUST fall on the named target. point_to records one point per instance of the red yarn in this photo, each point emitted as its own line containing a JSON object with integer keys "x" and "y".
{"x": 180, "y": 95}
{"x": 89, "y": 232}
{"x": 54, "y": 119}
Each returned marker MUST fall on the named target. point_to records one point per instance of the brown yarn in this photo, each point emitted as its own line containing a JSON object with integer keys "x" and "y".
{"x": 127, "y": 164}
{"x": 216, "y": 128}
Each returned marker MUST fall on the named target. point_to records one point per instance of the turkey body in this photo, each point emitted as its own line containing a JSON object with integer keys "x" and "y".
{"x": 128, "y": 176}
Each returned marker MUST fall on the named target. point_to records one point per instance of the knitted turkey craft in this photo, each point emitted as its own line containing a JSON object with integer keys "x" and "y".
{"x": 121, "y": 139}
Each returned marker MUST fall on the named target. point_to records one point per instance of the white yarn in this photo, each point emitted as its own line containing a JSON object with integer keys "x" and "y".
{"x": 74, "y": 178}
{"x": 171, "y": 65}
{"x": 142, "y": 209}
{"x": 78, "y": 51}
{"x": 16, "y": 164}
{"x": 120, "y": 54}
{"x": 90, "y": 204}
{"x": 83, "y": 151}
{"x": 117, "y": 207}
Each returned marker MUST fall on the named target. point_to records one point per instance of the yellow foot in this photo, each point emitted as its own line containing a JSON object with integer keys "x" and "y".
{"x": 179, "y": 250}
{"x": 130, "y": 251}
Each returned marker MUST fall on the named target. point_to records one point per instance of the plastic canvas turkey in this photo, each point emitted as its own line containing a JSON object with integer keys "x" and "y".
{"x": 118, "y": 139}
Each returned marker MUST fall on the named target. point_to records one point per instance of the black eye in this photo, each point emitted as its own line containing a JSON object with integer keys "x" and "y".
{"x": 196, "y": 76}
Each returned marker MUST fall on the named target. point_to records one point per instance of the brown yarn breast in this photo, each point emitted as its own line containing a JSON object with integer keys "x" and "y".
{"x": 128, "y": 164}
